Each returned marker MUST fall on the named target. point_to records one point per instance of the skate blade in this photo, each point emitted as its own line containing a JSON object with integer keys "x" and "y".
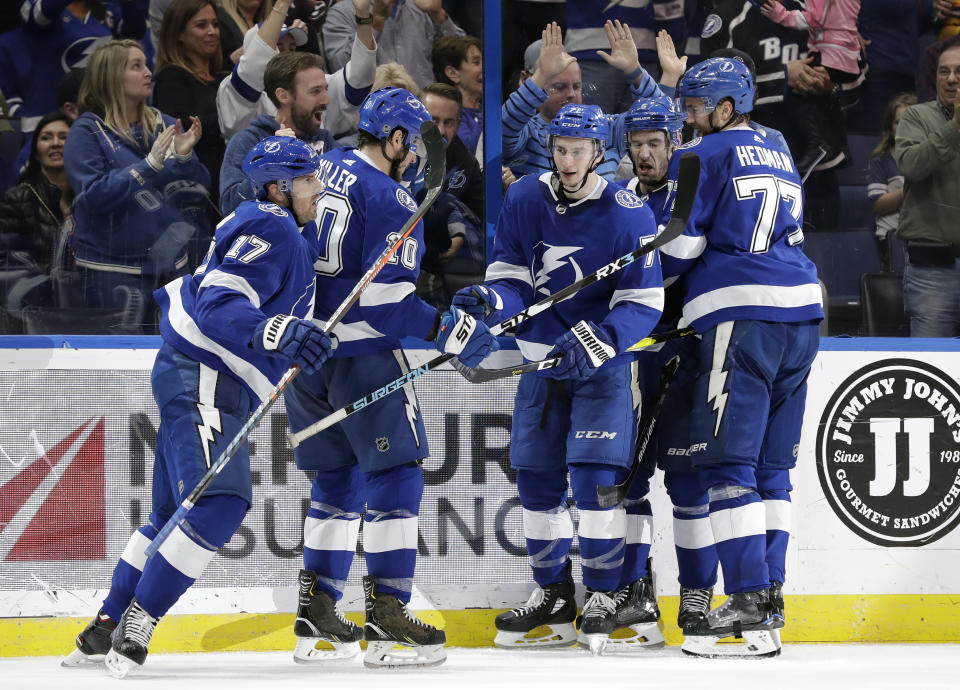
{"x": 596, "y": 643}
{"x": 639, "y": 638}
{"x": 316, "y": 650}
{"x": 755, "y": 644}
{"x": 541, "y": 637}
{"x": 118, "y": 665}
{"x": 77, "y": 659}
{"x": 397, "y": 655}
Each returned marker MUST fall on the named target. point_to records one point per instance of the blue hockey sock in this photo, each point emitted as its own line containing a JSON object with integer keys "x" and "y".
{"x": 638, "y": 540}
{"x": 186, "y": 552}
{"x": 547, "y": 525}
{"x": 390, "y": 527}
{"x": 774, "y": 488}
{"x": 602, "y": 531}
{"x": 129, "y": 568}
{"x": 697, "y": 559}
{"x": 331, "y": 527}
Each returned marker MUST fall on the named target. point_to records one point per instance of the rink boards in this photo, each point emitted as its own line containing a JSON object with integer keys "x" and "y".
{"x": 872, "y": 558}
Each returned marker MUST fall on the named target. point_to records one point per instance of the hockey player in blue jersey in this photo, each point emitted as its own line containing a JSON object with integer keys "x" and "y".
{"x": 754, "y": 296}
{"x": 653, "y": 131}
{"x": 580, "y": 416}
{"x": 229, "y": 331}
{"x": 371, "y": 460}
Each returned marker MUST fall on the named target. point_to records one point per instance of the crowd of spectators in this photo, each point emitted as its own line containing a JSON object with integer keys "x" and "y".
{"x": 123, "y": 124}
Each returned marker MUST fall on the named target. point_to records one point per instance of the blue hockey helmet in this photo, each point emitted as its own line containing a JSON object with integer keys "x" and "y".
{"x": 718, "y": 78}
{"x": 580, "y": 121}
{"x": 655, "y": 114}
{"x": 386, "y": 109}
{"x": 279, "y": 160}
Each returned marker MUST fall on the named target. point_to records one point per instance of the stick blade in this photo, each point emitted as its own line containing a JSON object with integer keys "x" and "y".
{"x": 436, "y": 158}
{"x": 688, "y": 180}
{"x": 609, "y": 496}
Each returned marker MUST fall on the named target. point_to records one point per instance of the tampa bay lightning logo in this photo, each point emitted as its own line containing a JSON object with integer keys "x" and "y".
{"x": 456, "y": 179}
{"x": 711, "y": 26}
{"x": 555, "y": 262}
{"x": 628, "y": 200}
{"x": 271, "y": 146}
{"x": 406, "y": 200}
{"x": 78, "y": 53}
{"x": 272, "y": 208}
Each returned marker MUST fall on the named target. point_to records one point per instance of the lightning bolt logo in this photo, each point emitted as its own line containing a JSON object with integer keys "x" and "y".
{"x": 210, "y": 418}
{"x": 553, "y": 258}
{"x": 718, "y": 376}
{"x": 206, "y": 406}
{"x": 411, "y": 411}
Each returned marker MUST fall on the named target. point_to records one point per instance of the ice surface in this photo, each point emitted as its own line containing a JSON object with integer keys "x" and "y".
{"x": 806, "y": 666}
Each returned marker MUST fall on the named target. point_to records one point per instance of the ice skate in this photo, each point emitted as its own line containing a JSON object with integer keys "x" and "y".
{"x": 93, "y": 643}
{"x": 694, "y": 607}
{"x": 638, "y": 626}
{"x": 323, "y": 634}
{"x": 776, "y": 599}
{"x": 747, "y": 618}
{"x": 597, "y": 620}
{"x": 546, "y": 620}
{"x": 130, "y": 641}
{"x": 395, "y": 637}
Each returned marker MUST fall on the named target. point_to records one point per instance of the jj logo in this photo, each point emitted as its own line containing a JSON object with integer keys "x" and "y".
{"x": 885, "y": 430}
{"x": 888, "y": 452}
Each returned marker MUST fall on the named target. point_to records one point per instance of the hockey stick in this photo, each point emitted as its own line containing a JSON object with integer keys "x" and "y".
{"x": 434, "y": 182}
{"x": 609, "y": 496}
{"x": 687, "y": 183}
{"x": 483, "y": 375}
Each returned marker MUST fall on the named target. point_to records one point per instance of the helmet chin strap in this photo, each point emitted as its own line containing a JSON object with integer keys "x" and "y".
{"x": 733, "y": 114}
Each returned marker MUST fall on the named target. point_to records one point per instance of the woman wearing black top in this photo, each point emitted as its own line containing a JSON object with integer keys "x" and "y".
{"x": 32, "y": 215}
{"x": 188, "y": 74}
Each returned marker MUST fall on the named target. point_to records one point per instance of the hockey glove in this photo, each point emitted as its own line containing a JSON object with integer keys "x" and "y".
{"x": 478, "y": 301}
{"x": 583, "y": 349}
{"x": 296, "y": 339}
{"x": 464, "y": 336}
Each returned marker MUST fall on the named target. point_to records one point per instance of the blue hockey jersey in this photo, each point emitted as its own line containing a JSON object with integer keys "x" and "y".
{"x": 56, "y": 41}
{"x": 259, "y": 265}
{"x": 741, "y": 253}
{"x": 359, "y": 214}
{"x": 543, "y": 245}
{"x": 659, "y": 200}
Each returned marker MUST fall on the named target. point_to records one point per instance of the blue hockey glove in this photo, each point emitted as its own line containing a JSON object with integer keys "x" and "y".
{"x": 464, "y": 336}
{"x": 297, "y": 339}
{"x": 583, "y": 348}
{"x": 478, "y": 301}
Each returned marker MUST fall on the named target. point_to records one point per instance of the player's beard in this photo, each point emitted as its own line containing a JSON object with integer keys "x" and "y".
{"x": 396, "y": 171}
{"x": 306, "y": 121}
